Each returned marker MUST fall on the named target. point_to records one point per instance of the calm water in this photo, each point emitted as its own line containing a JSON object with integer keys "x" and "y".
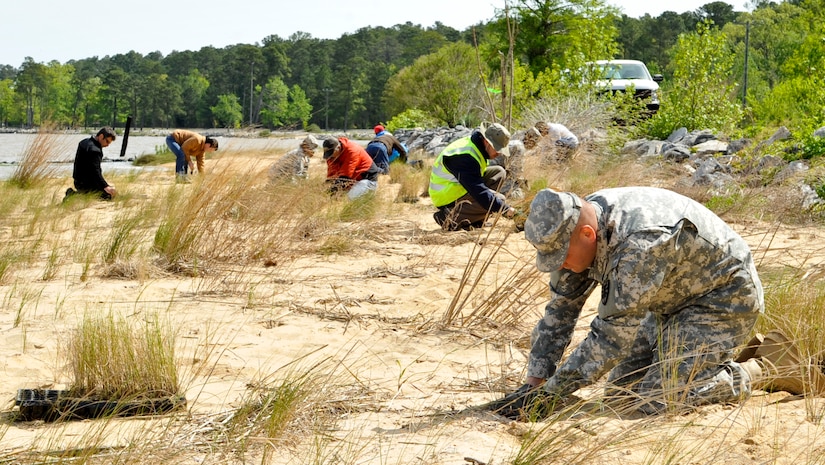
{"x": 13, "y": 145}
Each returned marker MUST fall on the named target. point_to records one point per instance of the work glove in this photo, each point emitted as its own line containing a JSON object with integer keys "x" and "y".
{"x": 527, "y": 403}
{"x": 519, "y": 219}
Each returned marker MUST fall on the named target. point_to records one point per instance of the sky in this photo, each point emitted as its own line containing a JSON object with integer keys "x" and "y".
{"x": 47, "y": 30}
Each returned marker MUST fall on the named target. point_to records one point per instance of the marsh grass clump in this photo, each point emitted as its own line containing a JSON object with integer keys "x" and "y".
{"x": 278, "y": 412}
{"x": 413, "y": 182}
{"x": 122, "y": 244}
{"x": 359, "y": 209}
{"x": 336, "y": 244}
{"x": 161, "y": 156}
{"x": 111, "y": 358}
{"x": 247, "y": 223}
{"x": 34, "y": 166}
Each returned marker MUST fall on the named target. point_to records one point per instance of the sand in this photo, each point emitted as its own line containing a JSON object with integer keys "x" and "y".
{"x": 370, "y": 324}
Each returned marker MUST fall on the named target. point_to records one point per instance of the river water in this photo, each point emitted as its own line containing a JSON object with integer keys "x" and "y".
{"x": 12, "y": 146}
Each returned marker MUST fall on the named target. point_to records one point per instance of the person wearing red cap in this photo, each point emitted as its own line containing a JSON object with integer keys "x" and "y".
{"x": 383, "y": 149}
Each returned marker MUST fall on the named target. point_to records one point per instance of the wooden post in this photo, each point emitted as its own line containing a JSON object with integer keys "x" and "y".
{"x": 125, "y": 136}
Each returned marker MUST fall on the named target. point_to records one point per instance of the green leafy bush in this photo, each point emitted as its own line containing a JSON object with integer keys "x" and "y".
{"x": 411, "y": 118}
{"x": 700, "y": 94}
{"x": 812, "y": 147}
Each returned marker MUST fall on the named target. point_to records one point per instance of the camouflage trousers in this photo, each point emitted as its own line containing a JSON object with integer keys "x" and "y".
{"x": 678, "y": 356}
{"x": 685, "y": 359}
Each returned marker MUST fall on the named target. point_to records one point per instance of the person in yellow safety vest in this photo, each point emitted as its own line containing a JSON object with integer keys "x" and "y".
{"x": 462, "y": 185}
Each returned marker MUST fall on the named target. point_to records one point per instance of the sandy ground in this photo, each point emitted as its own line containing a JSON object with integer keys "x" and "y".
{"x": 370, "y": 322}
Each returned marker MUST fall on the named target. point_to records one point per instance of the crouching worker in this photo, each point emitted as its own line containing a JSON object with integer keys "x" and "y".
{"x": 679, "y": 296}
{"x": 189, "y": 145}
{"x": 295, "y": 164}
{"x": 349, "y": 168}
{"x": 385, "y": 148}
{"x": 463, "y": 186}
{"x": 87, "y": 174}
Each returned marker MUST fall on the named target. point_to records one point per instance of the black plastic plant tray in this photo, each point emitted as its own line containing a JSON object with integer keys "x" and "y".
{"x": 52, "y": 404}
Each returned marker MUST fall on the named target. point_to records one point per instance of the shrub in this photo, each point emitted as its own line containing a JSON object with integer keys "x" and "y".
{"x": 411, "y": 118}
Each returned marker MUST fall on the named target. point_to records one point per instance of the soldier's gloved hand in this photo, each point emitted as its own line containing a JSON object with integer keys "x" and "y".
{"x": 527, "y": 403}
{"x": 519, "y": 218}
{"x": 510, "y": 404}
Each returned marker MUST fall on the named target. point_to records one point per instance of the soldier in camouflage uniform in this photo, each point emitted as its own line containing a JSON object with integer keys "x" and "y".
{"x": 679, "y": 294}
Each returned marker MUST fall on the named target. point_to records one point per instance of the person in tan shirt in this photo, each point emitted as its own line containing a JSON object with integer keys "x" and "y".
{"x": 187, "y": 145}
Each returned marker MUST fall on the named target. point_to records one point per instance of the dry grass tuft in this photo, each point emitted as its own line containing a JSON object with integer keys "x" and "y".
{"x": 34, "y": 166}
{"x": 111, "y": 358}
{"x": 414, "y": 182}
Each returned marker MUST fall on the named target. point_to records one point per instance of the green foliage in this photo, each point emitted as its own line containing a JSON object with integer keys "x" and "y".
{"x": 820, "y": 190}
{"x": 776, "y": 32}
{"x": 7, "y": 106}
{"x": 555, "y": 34}
{"x": 719, "y": 203}
{"x": 353, "y": 81}
{"x": 411, "y": 118}
{"x": 809, "y": 147}
{"x": 284, "y": 107}
{"x": 799, "y": 99}
{"x": 228, "y": 111}
{"x": 444, "y": 85}
{"x": 700, "y": 94}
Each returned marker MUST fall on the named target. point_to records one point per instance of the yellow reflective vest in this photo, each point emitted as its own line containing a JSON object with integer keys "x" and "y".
{"x": 444, "y": 186}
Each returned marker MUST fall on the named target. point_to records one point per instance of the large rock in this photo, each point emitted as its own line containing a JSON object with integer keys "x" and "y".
{"x": 677, "y": 136}
{"x": 643, "y": 147}
{"x": 794, "y": 169}
{"x": 675, "y": 152}
{"x": 712, "y": 173}
{"x": 710, "y": 147}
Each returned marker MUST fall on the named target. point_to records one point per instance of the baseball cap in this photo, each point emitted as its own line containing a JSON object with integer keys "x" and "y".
{"x": 549, "y": 226}
{"x": 378, "y": 129}
{"x": 498, "y": 136}
{"x": 329, "y": 146}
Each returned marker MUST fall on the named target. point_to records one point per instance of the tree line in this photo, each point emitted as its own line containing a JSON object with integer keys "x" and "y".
{"x": 436, "y": 74}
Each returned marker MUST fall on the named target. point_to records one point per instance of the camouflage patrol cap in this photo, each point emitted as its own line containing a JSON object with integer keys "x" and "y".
{"x": 553, "y": 217}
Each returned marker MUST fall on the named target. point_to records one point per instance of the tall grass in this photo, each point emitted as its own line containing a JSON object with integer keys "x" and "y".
{"x": 34, "y": 166}
{"x": 121, "y": 244}
{"x": 413, "y": 182}
{"x": 221, "y": 218}
{"x": 112, "y": 358}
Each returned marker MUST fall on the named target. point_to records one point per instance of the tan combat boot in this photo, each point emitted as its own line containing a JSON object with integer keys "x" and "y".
{"x": 783, "y": 368}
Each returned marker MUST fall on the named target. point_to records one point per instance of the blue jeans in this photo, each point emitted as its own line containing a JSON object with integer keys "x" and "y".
{"x": 181, "y": 167}
{"x": 378, "y": 153}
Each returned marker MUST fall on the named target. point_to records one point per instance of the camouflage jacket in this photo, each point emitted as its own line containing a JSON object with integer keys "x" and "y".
{"x": 657, "y": 251}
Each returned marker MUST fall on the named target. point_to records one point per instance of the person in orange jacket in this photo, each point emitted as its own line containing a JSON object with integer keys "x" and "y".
{"x": 349, "y": 168}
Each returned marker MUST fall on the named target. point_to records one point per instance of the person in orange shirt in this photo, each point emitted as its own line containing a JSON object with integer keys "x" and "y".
{"x": 349, "y": 168}
{"x": 187, "y": 145}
